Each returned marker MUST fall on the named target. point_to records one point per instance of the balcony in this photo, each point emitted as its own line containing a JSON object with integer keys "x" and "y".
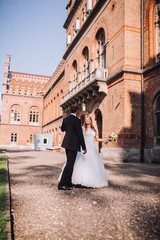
{"x": 91, "y": 86}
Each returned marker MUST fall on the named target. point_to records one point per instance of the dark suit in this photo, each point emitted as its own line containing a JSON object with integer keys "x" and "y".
{"x": 72, "y": 142}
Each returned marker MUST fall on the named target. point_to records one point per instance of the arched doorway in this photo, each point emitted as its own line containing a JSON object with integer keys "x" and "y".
{"x": 98, "y": 118}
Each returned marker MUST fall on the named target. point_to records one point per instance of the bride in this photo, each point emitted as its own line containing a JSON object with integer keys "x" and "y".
{"x": 88, "y": 169}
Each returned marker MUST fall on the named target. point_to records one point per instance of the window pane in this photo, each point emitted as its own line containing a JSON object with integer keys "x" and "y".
{"x": 36, "y": 118}
{"x": 158, "y": 141}
{"x": 158, "y": 103}
{"x": 158, "y": 124}
{"x": 33, "y": 117}
{"x": 13, "y": 137}
{"x": 14, "y": 116}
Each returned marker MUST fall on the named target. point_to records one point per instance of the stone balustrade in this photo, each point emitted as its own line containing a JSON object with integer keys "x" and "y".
{"x": 97, "y": 77}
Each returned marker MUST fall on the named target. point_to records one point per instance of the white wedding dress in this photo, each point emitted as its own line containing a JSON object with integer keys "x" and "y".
{"x": 88, "y": 169}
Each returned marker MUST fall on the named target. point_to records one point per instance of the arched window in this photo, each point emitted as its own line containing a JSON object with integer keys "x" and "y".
{"x": 101, "y": 49}
{"x": 85, "y": 61}
{"x": 157, "y": 29}
{"x": 77, "y": 25}
{"x": 54, "y": 107}
{"x": 84, "y": 13}
{"x": 58, "y": 105}
{"x": 83, "y": 16}
{"x": 15, "y": 114}
{"x": 59, "y": 138}
{"x": 61, "y": 112}
{"x": 56, "y": 137}
{"x": 89, "y": 6}
{"x": 75, "y": 69}
{"x": 73, "y": 32}
{"x": 156, "y": 112}
{"x": 69, "y": 40}
{"x": 75, "y": 80}
{"x": 34, "y": 116}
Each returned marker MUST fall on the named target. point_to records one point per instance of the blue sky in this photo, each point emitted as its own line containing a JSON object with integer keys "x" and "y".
{"x": 32, "y": 32}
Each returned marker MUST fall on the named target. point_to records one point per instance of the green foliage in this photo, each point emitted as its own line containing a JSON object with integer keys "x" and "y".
{"x": 3, "y": 179}
{"x": 3, "y": 150}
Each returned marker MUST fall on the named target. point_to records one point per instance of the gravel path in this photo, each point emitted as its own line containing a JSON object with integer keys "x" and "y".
{"x": 128, "y": 209}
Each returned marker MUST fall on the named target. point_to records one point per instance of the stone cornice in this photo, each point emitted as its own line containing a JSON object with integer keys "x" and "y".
{"x": 21, "y": 125}
{"x": 133, "y": 71}
{"x": 30, "y": 74}
{"x": 121, "y": 72}
{"x": 17, "y": 95}
{"x": 54, "y": 120}
{"x": 54, "y": 84}
{"x": 85, "y": 25}
{"x": 151, "y": 68}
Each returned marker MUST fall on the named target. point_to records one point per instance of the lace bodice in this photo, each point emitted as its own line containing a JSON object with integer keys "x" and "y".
{"x": 89, "y": 134}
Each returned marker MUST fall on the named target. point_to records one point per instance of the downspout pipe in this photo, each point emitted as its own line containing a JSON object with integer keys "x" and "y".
{"x": 142, "y": 91}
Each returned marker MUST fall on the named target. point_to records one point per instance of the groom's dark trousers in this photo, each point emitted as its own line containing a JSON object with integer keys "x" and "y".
{"x": 72, "y": 142}
{"x": 68, "y": 170}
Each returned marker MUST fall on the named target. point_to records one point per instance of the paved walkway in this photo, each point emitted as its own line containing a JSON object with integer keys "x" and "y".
{"x": 129, "y": 208}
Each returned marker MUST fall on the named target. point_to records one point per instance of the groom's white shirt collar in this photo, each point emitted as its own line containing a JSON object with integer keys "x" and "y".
{"x": 73, "y": 114}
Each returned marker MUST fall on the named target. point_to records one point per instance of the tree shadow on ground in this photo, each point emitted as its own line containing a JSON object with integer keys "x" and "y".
{"x": 47, "y": 173}
{"x": 139, "y": 170}
{"x": 143, "y": 221}
{"x": 146, "y": 221}
{"x": 20, "y": 150}
{"x": 21, "y": 158}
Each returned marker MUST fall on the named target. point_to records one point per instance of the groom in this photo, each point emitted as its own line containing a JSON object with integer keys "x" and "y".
{"x": 72, "y": 142}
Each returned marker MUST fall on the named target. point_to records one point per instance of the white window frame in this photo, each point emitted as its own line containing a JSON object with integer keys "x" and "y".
{"x": 33, "y": 117}
{"x": 14, "y": 137}
{"x": 15, "y": 116}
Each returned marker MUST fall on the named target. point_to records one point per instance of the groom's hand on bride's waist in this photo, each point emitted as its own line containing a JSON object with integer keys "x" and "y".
{"x": 84, "y": 151}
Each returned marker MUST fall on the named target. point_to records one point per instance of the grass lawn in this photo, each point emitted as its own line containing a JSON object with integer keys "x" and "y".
{"x": 3, "y": 150}
{"x": 3, "y": 180}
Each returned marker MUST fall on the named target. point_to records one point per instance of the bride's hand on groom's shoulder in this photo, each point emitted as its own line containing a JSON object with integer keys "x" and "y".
{"x": 84, "y": 152}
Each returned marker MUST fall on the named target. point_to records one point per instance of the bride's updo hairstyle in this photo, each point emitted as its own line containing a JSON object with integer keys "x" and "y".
{"x": 85, "y": 125}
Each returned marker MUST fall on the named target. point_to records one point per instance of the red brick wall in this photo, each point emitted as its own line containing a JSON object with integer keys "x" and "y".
{"x": 23, "y": 129}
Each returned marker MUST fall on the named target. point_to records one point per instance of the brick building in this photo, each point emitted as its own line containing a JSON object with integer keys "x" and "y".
{"x": 111, "y": 69}
{"x": 22, "y": 107}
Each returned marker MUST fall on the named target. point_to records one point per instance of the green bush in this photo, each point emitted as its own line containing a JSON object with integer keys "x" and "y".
{"x": 3, "y": 150}
{"x": 3, "y": 179}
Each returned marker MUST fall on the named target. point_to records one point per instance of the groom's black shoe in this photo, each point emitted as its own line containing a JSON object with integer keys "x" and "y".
{"x": 65, "y": 188}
